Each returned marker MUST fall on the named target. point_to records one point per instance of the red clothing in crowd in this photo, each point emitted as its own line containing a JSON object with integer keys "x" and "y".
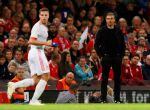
{"x": 136, "y": 71}
{"x": 111, "y": 74}
{"x": 90, "y": 46}
{"x": 9, "y": 24}
{"x": 53, "y": 70}
{"x": 17, "y": 95}
{"x": 126, "y": 72}
{"x": 133, "y": 49}
{"x": 62, "y": 42}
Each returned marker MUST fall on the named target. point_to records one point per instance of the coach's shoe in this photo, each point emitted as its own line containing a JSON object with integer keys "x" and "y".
{"x": 35, "y": 102}
{"x": 10, "y": 89}
{"x": 118, "y": 102}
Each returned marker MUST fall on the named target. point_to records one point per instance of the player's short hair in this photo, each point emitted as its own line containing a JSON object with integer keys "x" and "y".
{"x": 43, "y": 9}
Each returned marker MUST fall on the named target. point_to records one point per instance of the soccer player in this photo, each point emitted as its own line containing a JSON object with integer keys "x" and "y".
{"x": 37, "y": 60}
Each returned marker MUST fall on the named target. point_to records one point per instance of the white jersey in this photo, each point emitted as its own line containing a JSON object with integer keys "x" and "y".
{"x": 40, "y": 32}
{"x": 36, "y": 57}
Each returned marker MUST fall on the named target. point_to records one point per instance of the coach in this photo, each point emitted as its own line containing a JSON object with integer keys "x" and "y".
{"x": 110, "y": 46}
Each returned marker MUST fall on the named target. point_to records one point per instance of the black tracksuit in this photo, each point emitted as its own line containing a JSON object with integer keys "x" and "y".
{"x": 110, "y": 45}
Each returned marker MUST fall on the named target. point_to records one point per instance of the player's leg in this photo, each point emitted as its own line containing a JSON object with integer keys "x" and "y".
{"x": 40, "y": 87}
{"x": 26, "y": 82}
{"x": 43, "y": 71}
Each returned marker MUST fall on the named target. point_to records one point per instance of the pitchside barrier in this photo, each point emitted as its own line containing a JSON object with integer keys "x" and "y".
{"x": 129, "y": 94}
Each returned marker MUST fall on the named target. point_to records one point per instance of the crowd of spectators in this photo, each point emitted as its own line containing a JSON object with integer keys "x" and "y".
{"x": 68, "y": 20}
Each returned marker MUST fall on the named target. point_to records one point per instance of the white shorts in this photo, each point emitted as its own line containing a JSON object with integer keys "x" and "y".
{"x": 38, "y": 62}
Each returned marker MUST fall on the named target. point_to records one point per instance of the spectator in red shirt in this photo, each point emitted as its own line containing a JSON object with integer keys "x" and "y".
{"x": 63, "y": 43}
{"x": 53, "y": 64}
{"x": 131, "y": 43}
{"x": 136, "y": 71}
{"x": 126, "y": 74}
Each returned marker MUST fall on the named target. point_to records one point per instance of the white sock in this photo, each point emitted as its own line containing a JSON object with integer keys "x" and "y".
{"x": 40, "y": 87}
{"x": 24, "y": 83}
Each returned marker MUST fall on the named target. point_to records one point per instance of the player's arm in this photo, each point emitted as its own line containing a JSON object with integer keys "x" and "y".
{"x": 33, "y": 41}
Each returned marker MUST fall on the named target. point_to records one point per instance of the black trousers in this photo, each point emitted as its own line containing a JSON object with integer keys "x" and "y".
{"x": 114, "y": 62}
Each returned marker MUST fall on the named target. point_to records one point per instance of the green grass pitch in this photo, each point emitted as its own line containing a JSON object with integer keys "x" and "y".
{"x": 76, "y": 107}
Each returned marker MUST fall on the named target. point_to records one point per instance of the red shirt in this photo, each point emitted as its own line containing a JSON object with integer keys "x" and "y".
{"x": 17, "y": 95}
{"x": 90, "y": 46}
{"x": 111, "y": 74}
{"x": 126, "y": 72}
{"x": 53, "y": 70}
{"x": 62, "y": 42}
{"x": 136, "y": 71}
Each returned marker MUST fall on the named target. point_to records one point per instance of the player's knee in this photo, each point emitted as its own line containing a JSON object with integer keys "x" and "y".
{"x": 45, "y": 76}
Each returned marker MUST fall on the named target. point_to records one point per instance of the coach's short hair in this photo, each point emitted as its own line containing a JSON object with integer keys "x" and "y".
{"x": 110, "y": 14}
{"x": 43, "y": 9}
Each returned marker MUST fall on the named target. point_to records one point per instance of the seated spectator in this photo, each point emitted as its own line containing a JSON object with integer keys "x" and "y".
{"x": 62, "y": 41}
{"x": 131, "y": 43}
{"x": 10, "y": 43}
{"x": 74, "y": 52}
{"x": 21, "y": 44}
{"x": 3, "y": 66}
{"x": 19, "y": 60}
{"x": 146, "y": 68}
{"x": 135, "y": 68}
{"x": 52, "y": 31}
{"x": 8, "y": 55}
{"x": 66, "y": 64}
{"x": 18, "y": 95}
{"x": 68, "y": 96}
{"x": 25, "y": 30}
{"x": 126, "y": 74}
{"x": 53, "y": 65}
{"x": 1, "y": 47}
{"x": 82, "y": 70}
{"x": 136, "y": 71}
{"x": 94, "y": 62}
{"x": 64, "y": 84}
{"x": 11, "y": 71}
{"x": 2, "y": 31}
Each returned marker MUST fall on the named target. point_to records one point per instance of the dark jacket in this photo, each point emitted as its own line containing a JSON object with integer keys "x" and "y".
{"x": 146, "y": 71}
{"x": 110, "y": 42}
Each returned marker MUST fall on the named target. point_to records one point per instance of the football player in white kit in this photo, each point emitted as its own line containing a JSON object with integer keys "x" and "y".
{"x": 38, "y": 63}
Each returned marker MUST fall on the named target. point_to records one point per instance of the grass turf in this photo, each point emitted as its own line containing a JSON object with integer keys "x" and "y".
{"x": 76, "y": 107}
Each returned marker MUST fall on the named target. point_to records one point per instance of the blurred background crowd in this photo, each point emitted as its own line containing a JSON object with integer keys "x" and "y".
{"x": 68, "y": 20}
